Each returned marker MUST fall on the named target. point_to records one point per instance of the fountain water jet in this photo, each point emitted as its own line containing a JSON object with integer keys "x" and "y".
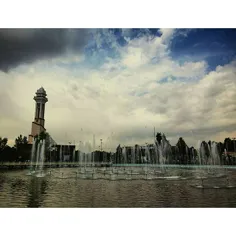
{"x": 32, "y": 155}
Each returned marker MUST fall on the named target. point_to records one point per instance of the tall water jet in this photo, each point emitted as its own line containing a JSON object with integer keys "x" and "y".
{"x": 32, "y": 154}
{"x": 147, "y": 159}
{"x": 187, "y": 153}
{"x": 225, "y": 153}
{"x": 85, "y": 160}
{"x": 133, "y": 155}
{"x": 161, "y": 157}
{"x": 193, "y": 159}
{"x": 92, "y": 158}
{"x": 80, "y": 157}
{"x": 215, "y": 154}
{"x": 73, "y": 157}
{"x": 42, "y": 156}
{"x": 155, "y": 153}
{"x": 163, "y": 150}
{"x": 147, "y": 153}
{"x": 38, "y": 154}
{"x": 200, "y": 152}
{"x": 60, "y": 155}
{"x": 124, "y": 155}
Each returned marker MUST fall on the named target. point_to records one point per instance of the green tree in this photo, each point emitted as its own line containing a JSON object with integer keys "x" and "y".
{"x": 43, "y": 135}
{"x": 228, "y": 144}
{"x": 209, "y": 143}
{"x": 3, "y": 143}
{"x": 182, "y": 148}
{"x": 158, "y": 138}
{"x": 181, "y": 145}
{"x": 20, "y": 140}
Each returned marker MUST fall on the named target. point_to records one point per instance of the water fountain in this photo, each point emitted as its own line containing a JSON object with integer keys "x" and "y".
{"x": 147, "y": 162}
{"x": 38, "y": 156}
{"x": 32, "y": 155}
{"x": 73, "y": 156}
{"x": 41, "y": 157}
{"x": 61, "y": 155}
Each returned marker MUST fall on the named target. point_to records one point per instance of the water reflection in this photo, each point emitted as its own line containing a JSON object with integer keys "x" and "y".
{"x": 2, "y": 181}
{"x": 36, "y": 191}
{"x": 19, "y": 190}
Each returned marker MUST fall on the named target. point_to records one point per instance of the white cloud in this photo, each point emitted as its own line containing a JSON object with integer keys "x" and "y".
{"x": 167, "y": 35}
{"x": 140, "y": 51}
{"x": 123, "y": 97}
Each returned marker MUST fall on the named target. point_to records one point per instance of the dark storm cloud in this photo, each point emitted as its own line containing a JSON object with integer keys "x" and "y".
{"x": 19, "y": 46}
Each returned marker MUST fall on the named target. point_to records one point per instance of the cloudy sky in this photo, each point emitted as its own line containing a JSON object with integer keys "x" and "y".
{"x": 120, "y": 83}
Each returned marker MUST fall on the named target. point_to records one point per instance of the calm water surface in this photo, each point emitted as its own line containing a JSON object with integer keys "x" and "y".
{"x": 63, "y": 190}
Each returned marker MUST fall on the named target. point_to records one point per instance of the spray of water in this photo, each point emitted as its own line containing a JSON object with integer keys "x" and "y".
{"x": 32, "y": 159}
{"x": 42, "y": 156}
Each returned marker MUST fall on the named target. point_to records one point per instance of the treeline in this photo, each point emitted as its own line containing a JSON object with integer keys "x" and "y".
{"x": 21, "y": 151}
{"x": 18, "y": 152}
{"x": 180, "y": 153}
{"x": 207, "y": 153}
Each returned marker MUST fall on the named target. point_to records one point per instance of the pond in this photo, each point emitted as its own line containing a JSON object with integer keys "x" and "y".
{"x": 69, "y": 187}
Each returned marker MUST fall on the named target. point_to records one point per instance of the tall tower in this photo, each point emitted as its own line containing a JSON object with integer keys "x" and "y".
{"x": 38, "y": 123}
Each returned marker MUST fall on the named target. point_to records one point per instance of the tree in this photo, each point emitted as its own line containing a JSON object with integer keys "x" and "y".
{"x": 209, "y": 143}
{"x": 220, "y": 147}
{"x": 158, "y": 138}
{"x": 183, "y": 150}
{"x": 228, "y": 145}
{"x": 20, "y": 140}
{"x": 42, "y": 135}
{"x": 5, "y": 150}
{"x": 181, "y": 145}
{"x": 118, "y": 154}
{"x": 3, "y": 143}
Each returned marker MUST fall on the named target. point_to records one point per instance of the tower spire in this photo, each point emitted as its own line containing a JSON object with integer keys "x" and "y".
{"x": 39, "y": 122}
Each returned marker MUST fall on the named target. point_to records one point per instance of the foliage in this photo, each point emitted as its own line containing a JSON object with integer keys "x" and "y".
{"x": 209, "y": 143}
{"x": 3, "y": 143}
{"x": 181, "y": 145}
{"x": 20, "y": 140}
{"x": 158, "y": 138}
{"x": 230, "y": 145}
{"x": 183, "y": 151}
{"x": 42, "y": 136}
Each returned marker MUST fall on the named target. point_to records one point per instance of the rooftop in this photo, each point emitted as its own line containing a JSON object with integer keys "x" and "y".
{"x": 41, "y": 91}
